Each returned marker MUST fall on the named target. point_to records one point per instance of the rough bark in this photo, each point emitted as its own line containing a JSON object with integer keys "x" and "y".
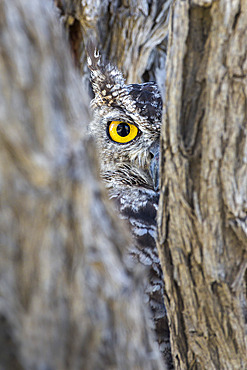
{"x": 68, "y": 297}
{"x": 203, "y": 219}
{"x": 130, "y": 34}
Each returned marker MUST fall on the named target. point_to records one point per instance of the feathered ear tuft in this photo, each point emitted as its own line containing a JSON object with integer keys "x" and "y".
{"x": 106, "y": 79}
{"x": 93, "y": 55}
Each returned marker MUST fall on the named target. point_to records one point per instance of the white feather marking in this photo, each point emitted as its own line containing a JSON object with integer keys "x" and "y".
{"x": 89, "y": 61}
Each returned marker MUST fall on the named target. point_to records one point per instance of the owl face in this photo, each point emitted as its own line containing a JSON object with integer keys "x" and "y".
{"x": 126, "y": 127}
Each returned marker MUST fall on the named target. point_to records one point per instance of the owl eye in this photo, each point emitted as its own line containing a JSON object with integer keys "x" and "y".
{"x": 122, "y": 132}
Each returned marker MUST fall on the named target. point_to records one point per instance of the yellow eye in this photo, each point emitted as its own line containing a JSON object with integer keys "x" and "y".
{"x": 122, "y": 132}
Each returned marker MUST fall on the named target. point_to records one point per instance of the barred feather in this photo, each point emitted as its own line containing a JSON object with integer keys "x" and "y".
{"x": 125, "y": 168}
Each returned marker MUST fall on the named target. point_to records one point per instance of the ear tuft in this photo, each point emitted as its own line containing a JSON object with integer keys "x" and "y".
{"x": 107, "y": 80}
{"x": 93, "y": 55}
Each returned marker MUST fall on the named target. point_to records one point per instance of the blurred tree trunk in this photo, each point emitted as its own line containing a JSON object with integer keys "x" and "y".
{"x": 203, "y": 204}
{"x": 69, "y": 300}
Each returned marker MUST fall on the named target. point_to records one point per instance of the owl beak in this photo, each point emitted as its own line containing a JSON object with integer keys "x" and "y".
{"x": 154, "y": 164}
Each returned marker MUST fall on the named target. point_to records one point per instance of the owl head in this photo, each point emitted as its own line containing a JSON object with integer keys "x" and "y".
{"x": 126, "y": 126}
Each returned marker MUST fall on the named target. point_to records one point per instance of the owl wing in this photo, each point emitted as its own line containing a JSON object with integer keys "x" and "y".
{"x": 139, "y": 208}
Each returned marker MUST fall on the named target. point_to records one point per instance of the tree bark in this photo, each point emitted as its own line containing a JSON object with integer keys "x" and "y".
{"x": 203, "y": 218}
{"x": 131, "y": 35}
{"x": 69, "y": 299}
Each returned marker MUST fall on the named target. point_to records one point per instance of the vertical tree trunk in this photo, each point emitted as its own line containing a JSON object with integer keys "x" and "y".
{"x": 203, "y": 218}
{"x": 69, "y": 299}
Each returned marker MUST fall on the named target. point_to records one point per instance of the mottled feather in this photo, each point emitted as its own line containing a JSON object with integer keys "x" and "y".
{"x": 126, "y": 172}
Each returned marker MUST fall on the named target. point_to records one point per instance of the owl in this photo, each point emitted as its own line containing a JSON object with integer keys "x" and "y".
{"x": 126, "y": 127}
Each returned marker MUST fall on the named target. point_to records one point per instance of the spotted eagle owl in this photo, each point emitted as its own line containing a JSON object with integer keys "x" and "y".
{"x": 126, "y": 126}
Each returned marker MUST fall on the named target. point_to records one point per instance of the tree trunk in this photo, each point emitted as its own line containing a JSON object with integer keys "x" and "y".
{"x": 131, "y": 35}
{"x": 203, "y": 204}
{"x": 69, "y": 299}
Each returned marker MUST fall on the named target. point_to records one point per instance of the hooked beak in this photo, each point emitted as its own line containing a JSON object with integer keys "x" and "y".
{"x": 154, "y": 165}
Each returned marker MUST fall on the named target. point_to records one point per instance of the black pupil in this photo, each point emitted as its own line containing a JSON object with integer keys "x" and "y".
{"x": 123, "y": 129}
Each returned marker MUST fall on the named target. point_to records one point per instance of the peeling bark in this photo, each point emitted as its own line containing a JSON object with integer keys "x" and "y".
{"x": 203, "y": 220}
{"x": 130, "y": 34}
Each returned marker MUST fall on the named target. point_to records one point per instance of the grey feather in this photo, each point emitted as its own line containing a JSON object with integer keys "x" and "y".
{"x": 127, "y": 172}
